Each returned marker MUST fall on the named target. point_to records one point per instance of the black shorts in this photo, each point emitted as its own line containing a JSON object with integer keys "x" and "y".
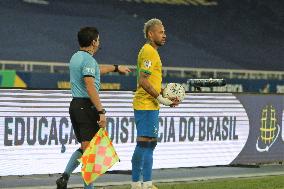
{"x": 84, "y": 118}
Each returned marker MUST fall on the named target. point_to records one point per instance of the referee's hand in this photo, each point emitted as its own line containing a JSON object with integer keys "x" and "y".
{"x": 102, "y": 121}
{"x": 123, "y": 69}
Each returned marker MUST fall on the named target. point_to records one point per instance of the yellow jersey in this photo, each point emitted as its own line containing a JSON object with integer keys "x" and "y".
{"x": 148, "y": 62}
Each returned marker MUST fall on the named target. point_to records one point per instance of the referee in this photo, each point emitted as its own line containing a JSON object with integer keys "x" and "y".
{"x": 86, "y": 110}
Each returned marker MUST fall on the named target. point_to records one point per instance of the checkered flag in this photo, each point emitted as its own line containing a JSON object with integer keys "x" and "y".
{"x": 99, "y": 156}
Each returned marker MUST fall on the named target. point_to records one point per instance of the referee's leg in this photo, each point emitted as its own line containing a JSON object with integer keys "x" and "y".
{"x": 73, "y": 162}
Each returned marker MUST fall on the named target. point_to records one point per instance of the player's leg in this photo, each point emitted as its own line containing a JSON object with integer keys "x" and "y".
{"x": 148, "y": 163}
{"x": 152, "y": 133}
{"x": 138, "y": 155}
{"x": 147, "y": 125}
{"x": 137, "y": 163}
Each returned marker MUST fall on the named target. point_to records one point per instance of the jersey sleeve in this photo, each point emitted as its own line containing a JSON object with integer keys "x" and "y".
{"x": 147, "y": 62}
{"x": 89, "y": 69}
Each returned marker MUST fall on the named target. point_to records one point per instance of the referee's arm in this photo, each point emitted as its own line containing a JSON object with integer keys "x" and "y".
{"x": 104, "y": 69}
{"x": 95, "y": 98}
{"x": 92, "y": 92}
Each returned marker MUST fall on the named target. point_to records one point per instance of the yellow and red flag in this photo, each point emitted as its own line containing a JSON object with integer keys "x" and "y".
{"x": 99, "y": 156}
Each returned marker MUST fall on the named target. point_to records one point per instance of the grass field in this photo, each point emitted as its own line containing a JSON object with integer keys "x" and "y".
{"x": 267, "y": 182}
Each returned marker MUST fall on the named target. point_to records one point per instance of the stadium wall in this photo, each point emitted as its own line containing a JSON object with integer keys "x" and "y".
{"x": 207, "y": 129}
{"x": 116, "y": 82}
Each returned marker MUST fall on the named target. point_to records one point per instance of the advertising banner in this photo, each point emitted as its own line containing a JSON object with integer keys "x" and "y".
{"x": 264, "y": 144}
{"x": 207, "y": 129}
{"x": 36, "y": 135}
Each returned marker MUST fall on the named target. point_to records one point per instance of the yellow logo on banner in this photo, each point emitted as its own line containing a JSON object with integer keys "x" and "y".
{"x": 109, "y": 86}
{"x": 269, "y": 129}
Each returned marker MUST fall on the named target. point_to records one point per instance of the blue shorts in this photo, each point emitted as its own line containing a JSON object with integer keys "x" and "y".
{"x": 147, "y": 122}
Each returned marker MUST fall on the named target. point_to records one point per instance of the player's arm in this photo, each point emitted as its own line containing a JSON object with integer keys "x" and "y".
{"x": 104, "y": 69}
{"x": 95, "y": 98}
{"x": 144, "y": 83}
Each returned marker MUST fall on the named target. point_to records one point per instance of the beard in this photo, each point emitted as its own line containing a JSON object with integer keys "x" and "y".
{"x": 159, "y": 43}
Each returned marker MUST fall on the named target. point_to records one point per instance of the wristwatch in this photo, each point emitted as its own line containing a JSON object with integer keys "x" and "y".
{"x": 116, "y": 68}
{"x": 103, "y": 111}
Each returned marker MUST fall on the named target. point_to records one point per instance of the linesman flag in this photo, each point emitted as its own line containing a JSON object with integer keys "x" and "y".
{"x": 99, "y": 156}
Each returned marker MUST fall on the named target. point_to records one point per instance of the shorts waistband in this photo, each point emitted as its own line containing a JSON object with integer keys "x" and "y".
{"x": 81, "y": 99}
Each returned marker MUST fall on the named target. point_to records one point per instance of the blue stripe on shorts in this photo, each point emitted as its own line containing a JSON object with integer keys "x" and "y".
{"x": 147, "y": 122}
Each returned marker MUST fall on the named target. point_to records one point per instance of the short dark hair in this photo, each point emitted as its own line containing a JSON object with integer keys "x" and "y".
{"x": 86, "y": 35}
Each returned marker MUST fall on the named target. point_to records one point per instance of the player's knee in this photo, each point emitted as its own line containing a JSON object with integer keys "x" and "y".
{"x": 147, "y": 144}
{"x": 153, "y": 144}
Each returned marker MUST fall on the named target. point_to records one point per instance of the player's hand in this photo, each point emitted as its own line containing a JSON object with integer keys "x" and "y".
{"x": 123, "y": 69}
{"x": 175, "y": 102}
{"x": 102, "y": 121}
{"x": 164, "y": 101}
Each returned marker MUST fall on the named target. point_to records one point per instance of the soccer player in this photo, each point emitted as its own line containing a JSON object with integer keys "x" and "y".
{"x": 86, "y": 110}
{"x": 146, "y": 103}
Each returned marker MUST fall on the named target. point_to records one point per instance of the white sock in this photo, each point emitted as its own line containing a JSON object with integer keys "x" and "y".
{"x": 147, "y": 185}
{"x": 136, "y": 185}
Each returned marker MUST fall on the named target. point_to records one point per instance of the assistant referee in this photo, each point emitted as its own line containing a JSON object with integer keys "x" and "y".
{"x": 86, "y": 110}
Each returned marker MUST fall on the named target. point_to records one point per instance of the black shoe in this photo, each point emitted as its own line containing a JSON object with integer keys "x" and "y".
{"x": 62, "y": 181}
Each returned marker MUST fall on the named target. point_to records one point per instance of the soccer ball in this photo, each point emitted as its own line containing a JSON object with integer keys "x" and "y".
{"x": 174, "y": 90}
